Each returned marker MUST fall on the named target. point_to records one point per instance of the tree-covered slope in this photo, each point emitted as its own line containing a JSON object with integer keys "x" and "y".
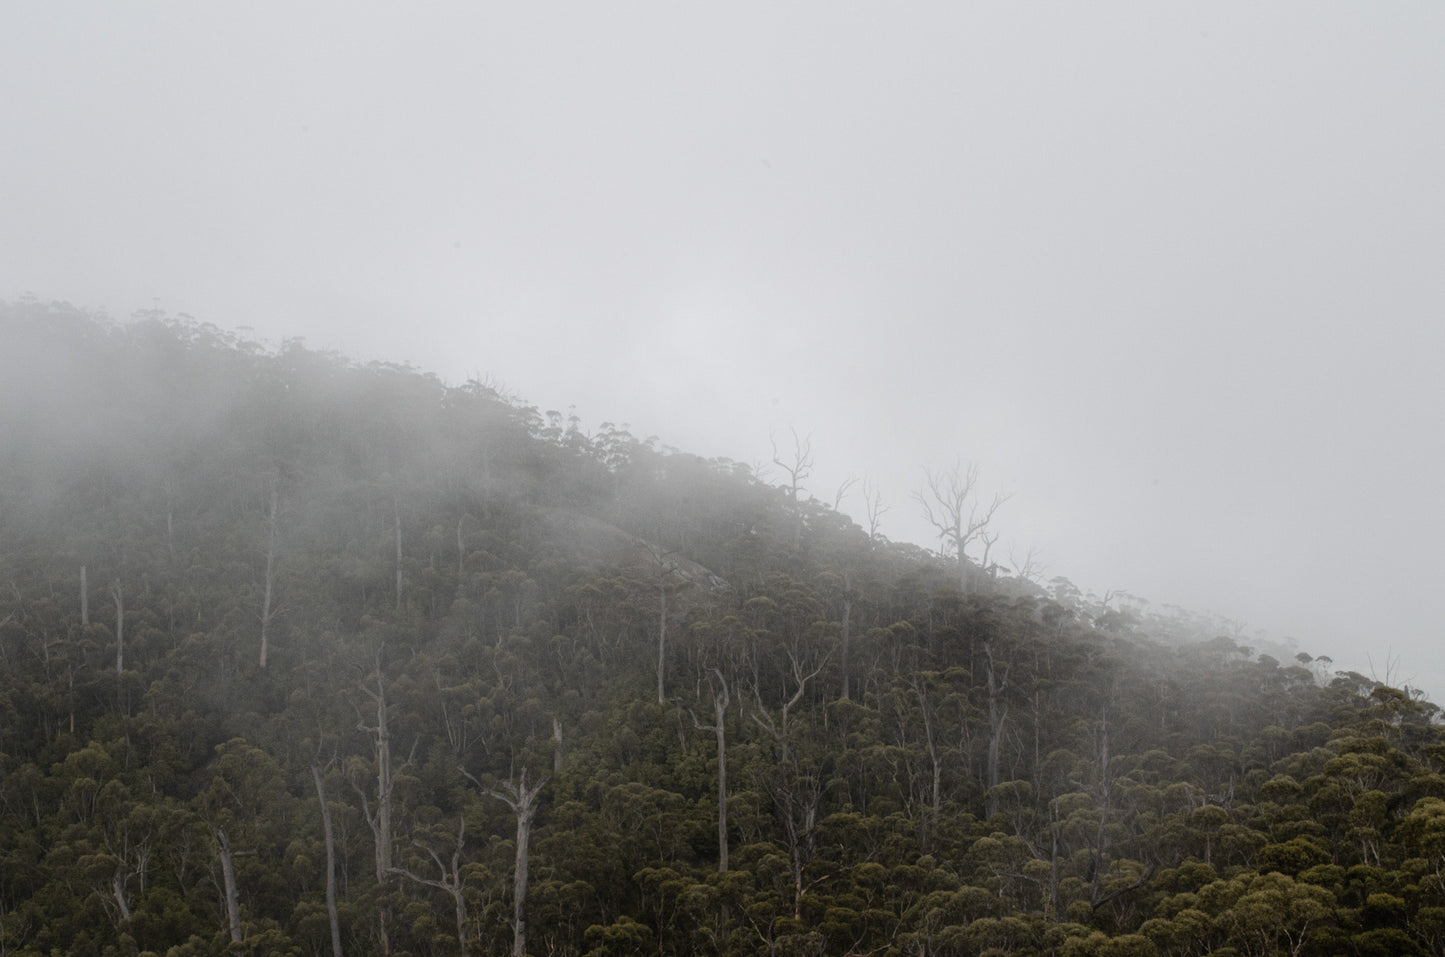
{"x": 300, "y": 656}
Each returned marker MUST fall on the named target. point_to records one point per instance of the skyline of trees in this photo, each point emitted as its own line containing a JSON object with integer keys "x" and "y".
{"x": 415, "y": 669}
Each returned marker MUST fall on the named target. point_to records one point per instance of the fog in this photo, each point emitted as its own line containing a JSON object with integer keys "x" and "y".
{"x": 1170, "y": 276}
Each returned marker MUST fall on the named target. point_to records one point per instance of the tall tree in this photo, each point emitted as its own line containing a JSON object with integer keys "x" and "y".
{"x": 450, "y": 879}
{"x": 522, "y": 799}
{"x": 268, "y": 605}
{"x": 331, "y": 914}
{"x": 379, "y": 817}
{"x": 118, "y": 597}
{"x": 950, "y": 504}
{"x": 720, "y": 700}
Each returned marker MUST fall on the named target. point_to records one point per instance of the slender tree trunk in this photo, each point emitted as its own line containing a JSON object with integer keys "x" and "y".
{"x": 119, "y": 599}
{"x": 522, "y": 799}
{"x": 451, "y": 879}
{"x": 461, "y": 551}
{"x": 396, "y": 525}
{"x": 661, "y": 635}
{"x": 519, "y": 883}
{"x": 1054, "y": 826}
{"x": 330, "y": 862}
{"x": 84, "y": 599}
{"x": 267, "y": 608}
{"x": 556, "y": 745}
{"x": 117, "y": 886}
{"x": 459, "y": 904}
{"x": 379, "y": 818}
{"x": 1101, "y": 836}
{"x": 846, "y": 636}
{"x": 383, "y": 797}
{"x": 997, "y": 714}
{"x": 170, "y": 517}
{"x": 719, "y": 712}
{"x": 228, "y": 875}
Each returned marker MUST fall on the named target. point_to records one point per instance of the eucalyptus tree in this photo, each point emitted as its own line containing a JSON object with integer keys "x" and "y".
{"x": 521, "y": 798}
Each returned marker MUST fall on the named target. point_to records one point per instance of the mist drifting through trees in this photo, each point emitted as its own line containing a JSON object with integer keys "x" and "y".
{"x": 304, "y": 656}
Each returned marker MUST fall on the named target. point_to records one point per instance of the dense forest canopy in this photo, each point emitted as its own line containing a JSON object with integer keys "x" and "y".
{"x": 299, "y": 656}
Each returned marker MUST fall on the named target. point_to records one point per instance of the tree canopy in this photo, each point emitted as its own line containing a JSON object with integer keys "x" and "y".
{"x": 303, "y": 656}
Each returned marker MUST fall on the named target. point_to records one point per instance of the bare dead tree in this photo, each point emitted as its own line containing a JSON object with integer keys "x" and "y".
{"x": 873, "y": 507}
{"x": 989, "y": 568}
{"x": 522, "y": 799}
{"x": 797, "y": 468}
{"x": 1029, "y": 569}
{"x": 844, "y": 488}
{"x": 951, "y": 506}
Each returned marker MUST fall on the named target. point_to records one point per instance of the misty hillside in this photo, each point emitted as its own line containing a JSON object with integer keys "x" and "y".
{"x": 300, "y": 656}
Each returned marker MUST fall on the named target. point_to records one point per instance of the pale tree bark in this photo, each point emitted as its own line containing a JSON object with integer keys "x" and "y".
{"x": 522, "y": 799}
{"x": 951, "y": 506}
{"x": 930, "y": 740}
{"x": 779, "y": 729}
{"x": 379, "y": 818}
{"x": 396, "y": 526}
{"x": 119, "y": 598}
{"x": 664, "y": 568}
{"x": 662, "y": 638}
{"x": 461, "y": 551}
{"x": 1029, "y": 569}
{"x": 268, "y": 607}
{"x": 330, "y": 861}
{"x": 798, "y": 468}
{"x": 873, "y": 508}
{"x": 450, "y": 880}
{"x": 990, "y": 569}
{"x": 84, "y": 598}
{"x": 845, "y": 635}
{"x": 228, "y": 877}
{"x": 796, "y": 794}
{"x": 997, "y": 684}
{"x": 170, "y": 486}
{"x": 1105, "y": 799}
{"x": 720, "y": 701}
{"x": 117, "y": 886}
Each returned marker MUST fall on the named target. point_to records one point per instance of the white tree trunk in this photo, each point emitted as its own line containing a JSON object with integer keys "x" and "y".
{"x": 228, "y": 875}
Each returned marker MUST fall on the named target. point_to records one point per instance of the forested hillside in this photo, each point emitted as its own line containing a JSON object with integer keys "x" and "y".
{"x": 299, "y": 656}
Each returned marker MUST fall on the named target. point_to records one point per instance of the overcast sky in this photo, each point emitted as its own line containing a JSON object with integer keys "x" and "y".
{"x": 1171, "y": 274}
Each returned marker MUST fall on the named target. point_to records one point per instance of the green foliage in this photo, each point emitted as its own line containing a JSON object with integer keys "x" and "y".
{"x": 1010, "y": 771}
